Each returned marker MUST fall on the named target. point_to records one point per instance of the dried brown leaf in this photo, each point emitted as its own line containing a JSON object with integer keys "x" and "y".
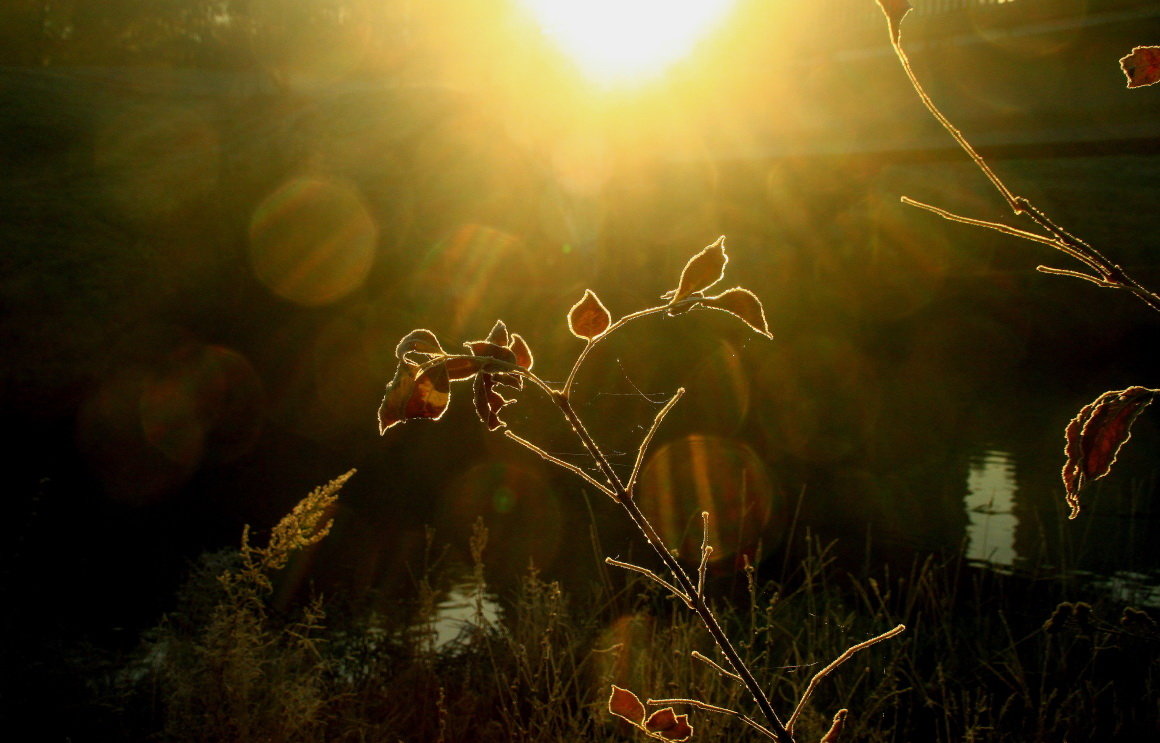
{"x": 491, "y": 350}
{"x": 1096, "y": 434}
{"x": 589, "y": 318}
{"x": 669, "y": 725}
{"x": 741, "y": 303}
{"x": 1142, "y": 66}
{"x": 836, "y": 726}
{"x": 420, "y": 341}
{"x": 702, "y": 271}
{"x": 411, "y": 395}
{"x": 895, "y": 11}
{"x": 498, "y": 334}
{"x": 488, "y": 402}
{"x": 623, "y": 703}
{"x": 521, "y": 351}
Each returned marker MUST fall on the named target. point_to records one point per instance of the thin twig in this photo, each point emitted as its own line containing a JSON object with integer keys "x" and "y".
{"x": 997, "y": 226}
{"x": 837, "y": 662}
{"x": 560, "y": 462}
{"x": 714, "y": 708}
{"x": 650, "y": 574}
{"x": 715, "y": 666}
{"x": 706, "y": 550}
{"x": 656, "y": 424}
{"x": 1103, "y": 283}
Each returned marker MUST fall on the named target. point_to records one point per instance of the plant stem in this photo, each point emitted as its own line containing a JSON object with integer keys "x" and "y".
{"x": 696, "y": 601}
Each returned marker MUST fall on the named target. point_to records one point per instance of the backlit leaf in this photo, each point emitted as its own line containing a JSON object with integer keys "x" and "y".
{"x": 1094, "y": 437}
{"x": 412, "y": 395}
{"x": 835, "y": 730}
{"x": 459, "y": 369}
{"x": 491, "y": 350}
{"x": 420, "y": 341}
{"x": 588, "y": 318}
{"x": 488, "y": 402}
{"x": 895, "y": 11}
{"x": 701, "y": 272}
{"x": 669, "y": 725}
{"x": 522, "y": 353}
{"x": 743, "y": 304}
{"x": 623, "y": 703}
{"x": 1142, "y": 66}
{"x": 498, "y": 334}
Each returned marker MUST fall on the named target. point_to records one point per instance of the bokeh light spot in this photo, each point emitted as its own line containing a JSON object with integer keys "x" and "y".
{"x": 708, "y": 473}
{"x": 312, "y": 241}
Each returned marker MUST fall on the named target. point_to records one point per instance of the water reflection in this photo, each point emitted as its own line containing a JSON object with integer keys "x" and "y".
{"x": 989, "y": 502}
{"x": 468, "y": 604}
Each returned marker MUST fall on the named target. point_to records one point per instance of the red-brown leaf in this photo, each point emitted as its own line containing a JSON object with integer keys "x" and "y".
{"x": 835, "y": 730}
{"x": 488, "y": 402}
{"x": 491, "y": 350}
{"x": 743, "y": 304}
{"x": 420, "y": 341}
{"x": 895, "y": 11}
{"x": 460, "y": 369}
{"x": 669, "y": 725}
{"x": 408, "y": 397}
{"x": 588, "y": 318}
{"x": 498, "y": 334}
{"x": 702, "y": 271}
{"x": 1096, "y": 434}
{"x": 1142, "y": 66}
{"x": 623, "y": 703}
{"x": 521, "y": 351}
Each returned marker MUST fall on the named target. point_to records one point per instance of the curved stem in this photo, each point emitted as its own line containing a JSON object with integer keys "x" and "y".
{"x": 610, "y": 330}
{"x": 684, "y": 582}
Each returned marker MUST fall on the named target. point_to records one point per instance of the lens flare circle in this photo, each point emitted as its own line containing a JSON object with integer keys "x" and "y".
{"x": 616, "y": 41}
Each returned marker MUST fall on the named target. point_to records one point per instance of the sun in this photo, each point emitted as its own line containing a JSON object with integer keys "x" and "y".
{"x": 618, "y": 42}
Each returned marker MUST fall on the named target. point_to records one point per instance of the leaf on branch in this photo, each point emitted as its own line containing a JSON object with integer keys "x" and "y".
{"x": 743, "y": 304}
{"x": 1096, "y": 434}
{"x": 835, "y": 730}
{"x": 411, "y": 395}
{"x": 1142, "y": 66}
{"x": 498, "y": 334}
{"x": 669, "y": 725}
{"x": 895, "y": 11}
{"x": 623, "y": 703}
{"x": 418, "y": 341}
{"x": 588, "y": 318}
{"x": 664, "y": 724}
{"x": 702, "y": 271}
{"x": 521, "y": 351}
{"x": 488, "y": 402}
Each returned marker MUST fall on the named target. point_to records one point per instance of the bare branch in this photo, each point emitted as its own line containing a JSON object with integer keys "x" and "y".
{"x": 650, "y": 574}
{"x": 714, "y": 708}
{"x": 1104, "y": 283}
{"x": 656, "y": 424}
{"x": 706, "y": 550}
{"x": 837, "y": 662}
{"x": 560, "y": 462}
{"x": 997, "y": 226}
{"x": 715, "y": 666}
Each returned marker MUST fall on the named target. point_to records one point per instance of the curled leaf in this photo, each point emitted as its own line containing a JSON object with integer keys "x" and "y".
{"x": 460, "y": 368}
{"x": 491, "y": 350}
{"x": 669, "y": 725}
{"x": 412, "y": 395}
{"x": 1094, "y": 437}
{"x": 741, "y": 303}
{"x": 623, "y": 703}
{"x": 702, "y": 271}
{"x": 1142, "y": 66}
{"x": 420, "y": 341}
{"x": 895, "y": 11}
{"x": 588, "y": 318}
{"x": 488, "y": 402}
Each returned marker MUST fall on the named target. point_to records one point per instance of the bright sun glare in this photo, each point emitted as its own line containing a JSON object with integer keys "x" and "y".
{"x": 619, "y": 41}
